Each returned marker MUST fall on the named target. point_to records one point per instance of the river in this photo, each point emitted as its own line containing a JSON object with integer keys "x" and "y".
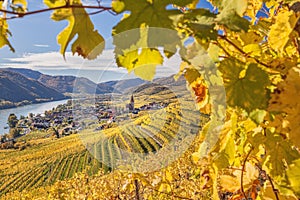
{"x": 25, "y": 110}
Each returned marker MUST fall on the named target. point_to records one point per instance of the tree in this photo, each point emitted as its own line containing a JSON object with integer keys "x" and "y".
{"x": 12, "y": 120}
{"x": 250, "y": 48}
{"x": 30, "y": 115}
{"x": 14, "y": 133}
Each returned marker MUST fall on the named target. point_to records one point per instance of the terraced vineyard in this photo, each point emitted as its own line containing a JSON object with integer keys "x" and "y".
{"x": 48, "y": 160}
{"x": 144, "y": 137}
{"x": 41, "y": 165}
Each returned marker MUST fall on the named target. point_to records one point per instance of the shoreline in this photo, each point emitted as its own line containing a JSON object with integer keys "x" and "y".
{"x": 25, "y": 110}
{"x": 21, "y": 104}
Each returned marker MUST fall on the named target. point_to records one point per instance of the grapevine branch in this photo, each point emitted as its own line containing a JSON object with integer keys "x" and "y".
{"x": 242, "y": 174}
{"x": 242, "y": 52}
{"x": 20, "y": 15}
{"x": 275, "y": 191}
{"x": 137, "y": 189}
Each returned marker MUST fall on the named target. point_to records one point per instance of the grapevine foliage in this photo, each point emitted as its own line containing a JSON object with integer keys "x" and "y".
{"x": 255, "y": 45}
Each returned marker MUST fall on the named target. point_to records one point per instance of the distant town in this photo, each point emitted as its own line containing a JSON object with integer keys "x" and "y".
{"x": 74, "y": 116}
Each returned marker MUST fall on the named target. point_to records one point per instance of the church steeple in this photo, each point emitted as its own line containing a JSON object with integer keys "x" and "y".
{"x": 132, "y": 99}
{"x": 131, "y": 104}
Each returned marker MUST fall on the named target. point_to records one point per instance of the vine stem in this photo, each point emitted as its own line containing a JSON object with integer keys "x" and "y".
{"x": 19, "y": 15}
{"x": 137, "y": 189}
{"x": 242, "y": 174}
{"x": 273, "y": 187}
{"x": 241, "y": 51}
{"x": 275, "y": 191}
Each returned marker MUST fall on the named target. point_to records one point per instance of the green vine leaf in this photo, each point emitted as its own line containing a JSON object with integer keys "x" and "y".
{"x": 245, "y": 86}
{"x": 233, "y": 21}
{"x": 279, "y": 152}
{"x": 147, "y": 14}
{"x": 202, "y": 24}
{"x": 231, "y": 14}
{"x": 151, "y": 13}
{"x": 239, "y": 6}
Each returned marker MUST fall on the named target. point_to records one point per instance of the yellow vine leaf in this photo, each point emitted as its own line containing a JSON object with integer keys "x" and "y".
{"x": 283, "y": 100}
{"x": 89, "y": 43}
{"x": 213, "y": 51}
{"x": 293, "y": 174}
{"x": 253, "y": 7}
{"x": 267, "y": 193}
{"x": 147, "y": 62}
{"x": 225, "y": 145}
{"x": 118, "y": 6}
{"x": 23, "y": 2}
{"x": 4, "y": 33}
{"x": 143, "y": 64}
{"x": 281, "y": 29}
{"x": 88, "y": 40}
{"x": 253, "y": 50}
{"x": 232, "y": 183}
{"x": 229, "y": 183}
{"x": 169, "y": 176}
{"x": 165, "y": 187}
{"x": 233, "y": 21}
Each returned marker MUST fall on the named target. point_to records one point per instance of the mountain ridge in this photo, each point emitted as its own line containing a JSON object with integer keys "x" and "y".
{"x": 65, "y": 83}
{"x": 17, "y": 90}
{"x": 73, "y": 84}
{"x": 20, "y": 86}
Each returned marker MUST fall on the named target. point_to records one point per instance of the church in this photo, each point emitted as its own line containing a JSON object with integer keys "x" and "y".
{"x": 130, "y": 106}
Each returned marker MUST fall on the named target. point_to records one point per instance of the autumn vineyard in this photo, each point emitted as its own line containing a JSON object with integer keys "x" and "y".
{"x": 231, "y": 131}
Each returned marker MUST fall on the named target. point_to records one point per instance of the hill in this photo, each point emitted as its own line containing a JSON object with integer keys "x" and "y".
{"x": 66, "y": 84}
{"x": 124, "y": 85}
{"x": 81, "y": 85}
{"x": 17, "y": 89}
{"x": 29, "y": 73}
{"x": 72, "y": 84}
{"x": 158, "y": 85}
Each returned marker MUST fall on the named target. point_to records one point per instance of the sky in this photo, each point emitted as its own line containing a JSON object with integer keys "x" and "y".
{"x": 34, "y": 39}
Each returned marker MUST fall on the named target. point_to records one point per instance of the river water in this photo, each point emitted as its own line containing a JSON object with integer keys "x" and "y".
{"x": 25, "y": 110}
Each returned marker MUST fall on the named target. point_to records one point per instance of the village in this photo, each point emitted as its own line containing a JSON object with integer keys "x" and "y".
{"x": 76, "y": 115}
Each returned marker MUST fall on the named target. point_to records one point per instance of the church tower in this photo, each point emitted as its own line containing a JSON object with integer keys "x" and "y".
{"x": 131, "y": 104}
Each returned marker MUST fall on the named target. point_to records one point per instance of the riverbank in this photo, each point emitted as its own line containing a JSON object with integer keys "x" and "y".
{"x": 8, "y": 104}
{"x": 36, "y": 108}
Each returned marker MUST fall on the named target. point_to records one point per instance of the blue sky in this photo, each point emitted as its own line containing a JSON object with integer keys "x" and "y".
{"x": 34, "y": 39}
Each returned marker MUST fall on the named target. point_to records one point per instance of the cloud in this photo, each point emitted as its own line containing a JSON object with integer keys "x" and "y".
{"x": 41, "y": 45}
{"x": 54, "y": 61}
